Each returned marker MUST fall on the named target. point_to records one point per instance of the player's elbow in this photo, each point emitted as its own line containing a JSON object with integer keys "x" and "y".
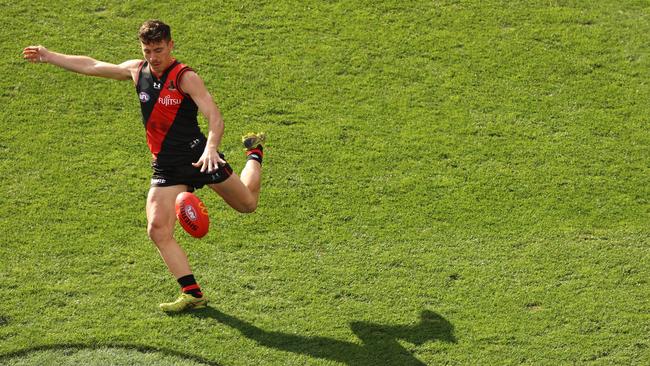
{"x": 90, "y": 70}
{"x": 106, "y": 70}
{"x": 88, "y": 66}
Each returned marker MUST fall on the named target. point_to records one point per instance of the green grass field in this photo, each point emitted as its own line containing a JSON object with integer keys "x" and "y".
{"x": 447, "y": 183}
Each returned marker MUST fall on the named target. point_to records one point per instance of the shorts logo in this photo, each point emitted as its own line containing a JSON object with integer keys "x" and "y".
{"x": 158, "y": 181}
{"x": 189, "y": 211}
{"x": 167, "y": 101}
{"x": 144, "y": 97}
{"x": 195, "y": 143}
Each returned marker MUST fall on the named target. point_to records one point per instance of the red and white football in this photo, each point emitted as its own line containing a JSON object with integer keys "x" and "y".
{"x": 192, "y": 214}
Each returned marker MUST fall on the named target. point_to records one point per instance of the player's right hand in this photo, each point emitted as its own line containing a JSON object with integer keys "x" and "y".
{"x": 35, "y": 54}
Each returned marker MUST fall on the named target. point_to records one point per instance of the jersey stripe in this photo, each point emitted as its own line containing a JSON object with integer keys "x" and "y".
{"x": 169, "y": 115}
{"x": 160, "y": 121}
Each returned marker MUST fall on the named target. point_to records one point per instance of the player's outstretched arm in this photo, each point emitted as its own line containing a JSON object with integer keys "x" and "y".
{"x": 82, "y": 64}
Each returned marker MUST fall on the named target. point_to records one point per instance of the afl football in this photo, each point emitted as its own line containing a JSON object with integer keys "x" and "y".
{"x": 192, "y": 214}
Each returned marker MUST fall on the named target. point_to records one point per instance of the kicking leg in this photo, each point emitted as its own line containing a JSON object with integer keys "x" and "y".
{"x": 242, "y": 193}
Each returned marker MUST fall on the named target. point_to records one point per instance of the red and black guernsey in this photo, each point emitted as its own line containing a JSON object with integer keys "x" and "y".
{"x": 169, "y": 115}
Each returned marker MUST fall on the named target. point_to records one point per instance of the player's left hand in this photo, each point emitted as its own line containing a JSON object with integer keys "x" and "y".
{"x": 209, "y": 161}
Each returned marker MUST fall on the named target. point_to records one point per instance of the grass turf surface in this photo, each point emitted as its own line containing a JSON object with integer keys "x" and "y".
{"x": 447, "y": 182}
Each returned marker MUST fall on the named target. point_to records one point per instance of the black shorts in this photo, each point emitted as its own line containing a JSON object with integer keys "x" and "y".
{"x": 188, "y": 175}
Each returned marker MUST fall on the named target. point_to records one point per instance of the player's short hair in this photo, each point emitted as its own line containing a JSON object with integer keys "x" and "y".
{"x": 154, "y": 31}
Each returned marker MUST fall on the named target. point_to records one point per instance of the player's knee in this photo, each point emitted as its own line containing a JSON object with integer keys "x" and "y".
{"x": 158, "y": 232}
{"x": 248, "y": 206}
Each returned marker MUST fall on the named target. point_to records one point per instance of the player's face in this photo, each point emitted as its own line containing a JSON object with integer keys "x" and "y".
{"x": 159, "y": 54}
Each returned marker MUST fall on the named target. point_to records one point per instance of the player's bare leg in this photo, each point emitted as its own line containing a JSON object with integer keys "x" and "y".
{"x": 236, "y": 194}
{"x": 161, "y": 219}
{"x": 251, "y": 176}
{"x": 242, "y": 193}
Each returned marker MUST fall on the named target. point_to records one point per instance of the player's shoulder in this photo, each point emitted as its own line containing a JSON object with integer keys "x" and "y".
{"x": 132, "y": 64}
{"x": 185, "y": 70}
{"x": 132, "y": 67}
{"x": 188, "y": 78}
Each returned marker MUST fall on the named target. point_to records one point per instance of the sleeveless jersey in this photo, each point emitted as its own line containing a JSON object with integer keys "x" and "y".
{"x": 169, "y": 116}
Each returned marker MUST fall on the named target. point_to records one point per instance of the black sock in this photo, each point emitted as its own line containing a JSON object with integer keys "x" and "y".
{"x": 189, "y": 286}
{"x": 256, "y": 153}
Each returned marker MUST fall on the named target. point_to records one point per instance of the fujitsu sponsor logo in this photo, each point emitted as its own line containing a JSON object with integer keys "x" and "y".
{"x": 168, "y": 101}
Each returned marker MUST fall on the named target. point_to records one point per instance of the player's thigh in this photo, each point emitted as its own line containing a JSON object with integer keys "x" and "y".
{"x": 160, "y": 205}
{"x": 235, "y": 194}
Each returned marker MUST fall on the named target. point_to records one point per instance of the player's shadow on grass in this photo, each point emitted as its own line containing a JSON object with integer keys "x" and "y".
{"x": 379, "y": 342}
